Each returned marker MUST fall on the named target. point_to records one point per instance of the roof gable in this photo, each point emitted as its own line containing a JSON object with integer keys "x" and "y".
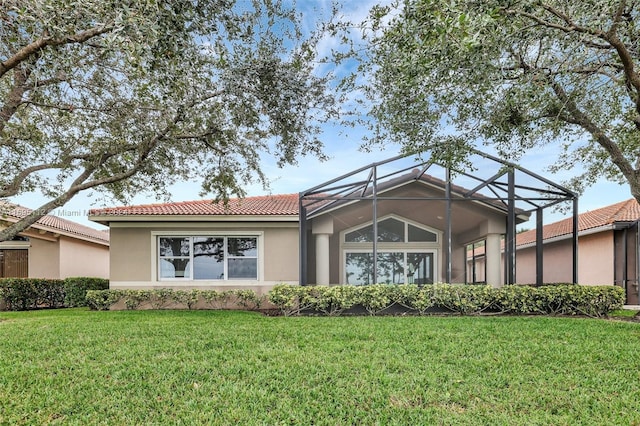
{"x": 14, "y": 212}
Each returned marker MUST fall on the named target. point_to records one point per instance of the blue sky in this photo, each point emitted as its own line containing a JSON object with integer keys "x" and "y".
{"x": 342, "y": 147}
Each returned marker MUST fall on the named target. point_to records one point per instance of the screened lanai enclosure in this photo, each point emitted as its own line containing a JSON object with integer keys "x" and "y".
{"x": 411, "y": 220}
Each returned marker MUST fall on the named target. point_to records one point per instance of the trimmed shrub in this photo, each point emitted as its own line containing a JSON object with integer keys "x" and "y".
{"x": 286, "y": 298}
{"x": 102, "y": 300}
{"x": 375, "y": 298}
{"x": 248, "y": 299}
{"x": 164, "y": 297}
{"x": 189, "y": 298}
{"x": 565, "y": 299}
{"x": 75, "y": 289}
{"x": 463, "y": 299}
{"x": 216, "y": 299}
{"x": 332, "y": 300}
{"x": 557, "y": 299}
{"x": 20, "y": 294}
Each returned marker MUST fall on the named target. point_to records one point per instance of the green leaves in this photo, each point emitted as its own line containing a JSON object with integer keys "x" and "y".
{"x": 564, "y": 299}
{"x": 131, "y": 97}
{"x": 511, "y": 75}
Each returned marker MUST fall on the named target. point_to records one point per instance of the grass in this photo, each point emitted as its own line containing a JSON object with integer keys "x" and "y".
{"x": 623, "y": 313}
{"x": 215, "y": 367}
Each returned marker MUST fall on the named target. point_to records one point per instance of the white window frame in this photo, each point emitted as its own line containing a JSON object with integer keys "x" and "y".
{"x": 404, "y": 252}
{"x": 406, "y": 222}
{"x": 155, "y": 255}
{"x": 388, "y": 247}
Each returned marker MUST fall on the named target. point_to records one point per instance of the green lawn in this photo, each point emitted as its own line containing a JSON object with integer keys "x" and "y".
{"x": 215, "y": 367}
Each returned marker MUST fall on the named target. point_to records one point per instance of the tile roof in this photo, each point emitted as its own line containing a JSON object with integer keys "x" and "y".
{"x": 265, "y": 205}
{"x": 52, "y": 223}
{"x": 624, "y": 211}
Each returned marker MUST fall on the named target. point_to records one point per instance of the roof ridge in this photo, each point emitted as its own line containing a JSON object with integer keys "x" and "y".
{"x": 623, "y": 205}
{"x": 259, "y": 205}
{"x": 205, "y": 200}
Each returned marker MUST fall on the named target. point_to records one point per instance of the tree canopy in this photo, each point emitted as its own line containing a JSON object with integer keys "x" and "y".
{"x": 513, "y": 74}
{"x": 129, "y": 96}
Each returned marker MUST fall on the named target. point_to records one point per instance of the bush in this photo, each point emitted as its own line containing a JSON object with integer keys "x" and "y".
{"x": 463, "y": 299}
{"x": 163, "y": 297}
{"x": 563, "y": 299}
{"x": 566, "y": 299}
{"x": 21, "y": 294}
{"x": 75, "y": 289}
{"x": 102, "y": 300}
{"x": 288, "y": 298}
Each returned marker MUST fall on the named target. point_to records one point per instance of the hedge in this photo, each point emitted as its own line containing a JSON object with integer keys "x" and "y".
{"x": 557, "y": 299}
{"x": 175, "y": 299}
{"x": 563, "y": 299}
{"x": 19, "y": 294}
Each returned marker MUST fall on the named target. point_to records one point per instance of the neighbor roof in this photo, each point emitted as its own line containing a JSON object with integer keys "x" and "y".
{"x": 624, "y": 211}
{"x": 265, "y": 205}
{"x": 14, "y": 212}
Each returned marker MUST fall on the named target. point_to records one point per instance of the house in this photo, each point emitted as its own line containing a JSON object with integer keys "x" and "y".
{"x": 249, "y": 243}
{"x": 608, "y": 242}
{"x": 52, "y": 247}
{"x": 369, "y": 226}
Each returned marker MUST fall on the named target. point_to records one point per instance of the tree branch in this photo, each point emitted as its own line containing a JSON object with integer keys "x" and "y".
{"x": 13, "y": 188}
{"x": 14, "y": 97}
{"x": 35, "y": 46}
{"x": 617, "y": 17}
{"x": 582, "y": 120}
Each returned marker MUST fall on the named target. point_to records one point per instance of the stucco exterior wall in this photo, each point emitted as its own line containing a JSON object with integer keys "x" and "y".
{"x": 595, "y": 254}
{"x": 130, "y": 254}
{"x": 133, "y": 250}
{"x": 83, "y": 259}
{"x": 44, "y": 259}
{"x": 281, "y": 254}
{"x": 595, "y": 261}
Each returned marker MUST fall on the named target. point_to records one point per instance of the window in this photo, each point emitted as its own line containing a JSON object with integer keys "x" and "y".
{"x": 392, "y": 268}
{"x": 208, "y": 257}
{"x": 391, "y": 230}
{"x": 476, "y": 263}
{"x": 406, "y": 253}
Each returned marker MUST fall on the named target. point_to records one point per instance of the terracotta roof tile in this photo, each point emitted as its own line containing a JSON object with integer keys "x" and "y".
{"x": 10, "y": 210}
{"x": 623, "y": 211}
{"x": 266, "y": 205}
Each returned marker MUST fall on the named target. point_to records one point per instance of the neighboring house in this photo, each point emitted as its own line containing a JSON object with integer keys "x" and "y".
{"x": 52, "y": 247}
{"x": 607, "y": 249}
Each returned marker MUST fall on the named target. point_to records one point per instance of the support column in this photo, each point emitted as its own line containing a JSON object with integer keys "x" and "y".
{"x": 492, "y": 258}
{"x": 322, "y": 229}
{"x": 510, "y": 240}
{"x": 322, "y": 259}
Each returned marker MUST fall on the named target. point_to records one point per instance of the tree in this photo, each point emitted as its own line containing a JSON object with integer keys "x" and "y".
{"x": 513, "y": 74}
{"x": 131, "y": 96}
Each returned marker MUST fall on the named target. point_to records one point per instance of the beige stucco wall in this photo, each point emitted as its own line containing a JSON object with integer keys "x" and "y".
{"x": 134, "y": 252}
{"x": 595, "y": 261}
{"x": 130, "y": 254}
{"x": 44, "y": 259}
{"x": 281, "y": 254}
{"x": 80, "y": 258}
